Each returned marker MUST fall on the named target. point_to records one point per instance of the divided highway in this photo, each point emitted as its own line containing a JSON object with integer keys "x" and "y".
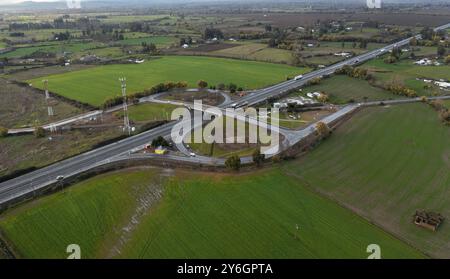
{"x": 28, "y": 183}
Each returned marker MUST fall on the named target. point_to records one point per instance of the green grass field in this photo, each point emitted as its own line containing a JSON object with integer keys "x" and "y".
{"x": 150, "y": 112}
{"x": 95, "y": 85}
{"x": 386, "y": 163}
{"x": 341, "y": 89}
{"x": 200, "y": 216}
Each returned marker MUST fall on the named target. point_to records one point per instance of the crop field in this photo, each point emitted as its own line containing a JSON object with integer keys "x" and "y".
{"x": 385, "y": 164}
{"x": 159, "y": 41}
{"x": 342, "y": 89}
{"x": 405, "y": 72}
{"x": 95, "y": 85}
{"x": 97, "y": 215}
{"x": 256, "y": 51}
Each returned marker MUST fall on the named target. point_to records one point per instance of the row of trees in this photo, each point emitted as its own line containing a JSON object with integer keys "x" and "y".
{"x": 350, "y": 71}
{"x": 443, "y": 111}
{"x": 161, "y": 87}
{"x": 401, "y": 90}
{"x": 234, "y": 162}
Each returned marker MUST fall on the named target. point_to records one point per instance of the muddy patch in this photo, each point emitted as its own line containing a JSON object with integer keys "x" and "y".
{"x": 146, "y": 198}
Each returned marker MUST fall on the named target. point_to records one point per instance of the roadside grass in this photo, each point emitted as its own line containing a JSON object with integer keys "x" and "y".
{"x": 149, "y": 112}
{"x": 222, "y": 150}
{"x": 385, "y": 164}
{"x": 341, "y": 89}
{"x": 303, "y": 119}
{"x": 25, "y": 151}
{"x": 201, "y": 215}
{"x": 95, "y": 85}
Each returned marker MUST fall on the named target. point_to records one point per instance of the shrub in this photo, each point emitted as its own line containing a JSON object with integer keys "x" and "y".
{"x": 202, "y": 84}
{"x": 233, "y": 163}
{"x": 258, "y": 158}
{"x": 39, "y": 132}
{"x": 3, "y": 132}
{"x": 323, "y": 130}
{"x": 160, "y": 141}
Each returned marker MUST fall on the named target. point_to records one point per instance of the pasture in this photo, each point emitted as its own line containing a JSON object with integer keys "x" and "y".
{"x": 95, "y": 85}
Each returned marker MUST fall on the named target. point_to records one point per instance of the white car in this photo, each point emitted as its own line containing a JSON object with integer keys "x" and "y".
{"x": 298, "y": 77}
{"x": 192, "y": 154}
{"x": 59, "y": 178}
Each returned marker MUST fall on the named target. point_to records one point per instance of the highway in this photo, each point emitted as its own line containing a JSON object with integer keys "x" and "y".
{"x": 44, "y": 177}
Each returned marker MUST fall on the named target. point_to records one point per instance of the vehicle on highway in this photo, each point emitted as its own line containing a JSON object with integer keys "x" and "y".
{"x": 298, "y": 77}
{"x": 60, "y": 178}
{"x": 192, "y": 154}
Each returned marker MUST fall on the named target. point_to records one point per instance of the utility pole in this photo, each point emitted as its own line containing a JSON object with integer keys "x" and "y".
{"x": 126, "y": 119}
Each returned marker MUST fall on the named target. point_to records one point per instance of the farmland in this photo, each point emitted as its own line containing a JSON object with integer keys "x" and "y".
{"x": 256, "y": 51}
{"x": 95, "y": 85}
{"x": 344, "y": 89}
{"x": 230, "y": 219}
{"x": 405, "y": 72}
{"x": 382, "y": 165}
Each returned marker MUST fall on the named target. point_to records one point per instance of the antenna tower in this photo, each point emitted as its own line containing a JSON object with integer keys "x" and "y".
{"x": 126, "y": 119}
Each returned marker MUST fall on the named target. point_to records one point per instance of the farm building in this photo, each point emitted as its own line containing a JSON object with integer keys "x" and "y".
{"x": 428, "y": 220}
